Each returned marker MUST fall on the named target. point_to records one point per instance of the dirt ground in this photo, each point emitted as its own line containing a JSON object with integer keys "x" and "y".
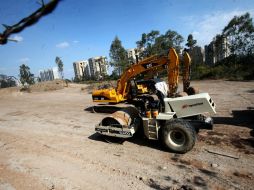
{"x": 47, "y": 141}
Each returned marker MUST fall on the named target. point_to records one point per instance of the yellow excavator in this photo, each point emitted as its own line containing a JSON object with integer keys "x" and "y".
{"x": 150, "y": 65}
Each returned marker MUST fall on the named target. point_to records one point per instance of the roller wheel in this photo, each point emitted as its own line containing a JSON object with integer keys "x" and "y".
{"x": 178, "y": 136}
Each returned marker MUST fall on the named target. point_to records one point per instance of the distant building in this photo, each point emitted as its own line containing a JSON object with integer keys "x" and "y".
{"x": 81, "y": 69}
{"x": 222, "y": 49}
{"x": 209, "y": 54}
{"x": 133, "y": 54}
{"x": 98, "y": 67}
{"x": 93, "y": 68}
{"x": 49, "y": 74}
{"x": 217, "y": 50}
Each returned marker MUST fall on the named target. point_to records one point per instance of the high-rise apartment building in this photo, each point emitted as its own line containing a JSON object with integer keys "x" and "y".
{"x": 98, "y": 67}
{"x": 133, "y": 54}
{"x": 81, "y": 69}
{"x": 49, "y": 74}
{"x": 217, "y": 50}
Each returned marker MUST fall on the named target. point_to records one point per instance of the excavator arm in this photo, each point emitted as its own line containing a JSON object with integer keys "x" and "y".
{"x": 153, "y": 64}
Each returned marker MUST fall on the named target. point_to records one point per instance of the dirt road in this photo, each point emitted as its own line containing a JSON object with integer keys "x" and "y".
{"x": 47, "y": 141}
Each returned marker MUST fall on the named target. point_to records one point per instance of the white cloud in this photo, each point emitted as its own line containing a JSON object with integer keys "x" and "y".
{"x": 206, "y": 27}
{"x": 24, "y": 60}
{"x": 75, "y": 41}
{"x": 17, "y": 38}
{"x": 63, "y": 45}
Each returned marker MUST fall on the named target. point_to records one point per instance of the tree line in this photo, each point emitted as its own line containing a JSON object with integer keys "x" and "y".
{"x": 26, "y": 77}
{"x": 239, "y": 65}
{"x": 239, "y": 34}
{"x": 150, "y": 44}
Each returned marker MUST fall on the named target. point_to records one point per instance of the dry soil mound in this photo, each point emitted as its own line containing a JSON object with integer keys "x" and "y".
{"x": 48, "y": 86}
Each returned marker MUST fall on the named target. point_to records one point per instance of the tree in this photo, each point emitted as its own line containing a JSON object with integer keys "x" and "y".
{"x": 191, "y": 42}
{"x": 154, "y": 43}
{"x": 195, "y": 55}
{"x": 146, "y": 44}
{"x": 220, "y": 49}
{"x": 25, "y": 75}
{"x": 59, "y": 64}
{"x": 118, "y": 55}
{"x": 171, "y": 39}
{"x": 114, "y": 76}
{"x": 240, "y": 33}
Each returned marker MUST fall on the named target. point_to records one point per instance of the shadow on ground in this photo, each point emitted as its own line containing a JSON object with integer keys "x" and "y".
{"x": 250, "y": 91}
{"x": 136, "y": 139}
{"x": 107, "y": 107}
{"x": 241, "y": 118}
{"x": 96, "y": 137}
{"x": 103, "y": 109}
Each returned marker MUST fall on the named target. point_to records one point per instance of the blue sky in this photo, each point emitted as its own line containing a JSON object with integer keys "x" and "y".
{"x": 80, "y": 29}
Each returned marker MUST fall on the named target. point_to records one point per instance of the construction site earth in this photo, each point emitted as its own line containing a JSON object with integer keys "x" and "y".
{"x": 48, "y": 141}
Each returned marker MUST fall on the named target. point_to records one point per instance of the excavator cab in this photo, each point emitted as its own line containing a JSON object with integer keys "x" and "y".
{"x": 136, "y": 88}
{"x": 133, "y": 89}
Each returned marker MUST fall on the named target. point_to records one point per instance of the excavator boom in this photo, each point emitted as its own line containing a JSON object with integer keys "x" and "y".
{"x": 153, "y": 64}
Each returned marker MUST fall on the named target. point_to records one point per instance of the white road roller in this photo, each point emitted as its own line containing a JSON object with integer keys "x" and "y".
{"x": 176, "y": 126}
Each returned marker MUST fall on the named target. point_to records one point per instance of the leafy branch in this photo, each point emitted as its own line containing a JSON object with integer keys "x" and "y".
{"x": 27, "y": 21}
